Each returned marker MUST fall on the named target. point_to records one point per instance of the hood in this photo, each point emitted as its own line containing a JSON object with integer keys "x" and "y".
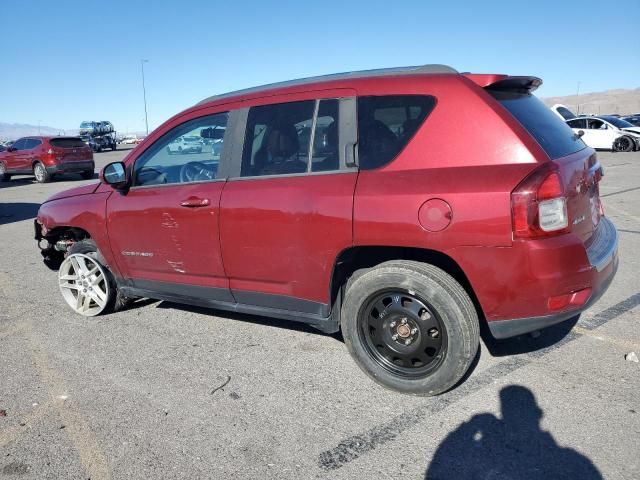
{"x": 74, "y": 192}
{"x": 635, "y": 130}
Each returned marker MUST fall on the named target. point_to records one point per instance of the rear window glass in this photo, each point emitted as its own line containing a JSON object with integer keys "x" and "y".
{"x": 554, "y": 136}
{"x": 74, "y": 142}
{"x": 386, "y": 124}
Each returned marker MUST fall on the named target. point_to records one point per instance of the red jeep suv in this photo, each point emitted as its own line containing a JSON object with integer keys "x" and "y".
{"x": 44, "y": 157}
{"x": 400, "y": 206}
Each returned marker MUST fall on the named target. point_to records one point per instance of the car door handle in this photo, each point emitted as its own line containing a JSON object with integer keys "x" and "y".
{"x": 195, "y": 202}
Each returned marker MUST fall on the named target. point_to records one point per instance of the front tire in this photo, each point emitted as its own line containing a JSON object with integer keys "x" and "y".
{"x": 623, "y": 144}
{"x": 410, "y": 326}
{"x": 41, "y": 174}
{"x": 83, "y": 257}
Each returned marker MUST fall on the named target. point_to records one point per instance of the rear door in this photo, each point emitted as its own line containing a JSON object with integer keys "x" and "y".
{"x": 286, "y": 213}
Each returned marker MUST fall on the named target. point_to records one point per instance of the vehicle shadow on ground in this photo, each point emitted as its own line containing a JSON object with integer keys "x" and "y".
{"x": 527, "y": 343}
{"x": 507, "y": 447}
{"x": 16, "y": 212}
{"x": 255, "y": 319}
{"x": 17, "y": 182}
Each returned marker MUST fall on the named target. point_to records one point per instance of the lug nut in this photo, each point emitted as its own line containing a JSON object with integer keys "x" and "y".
{"x": 407, "y": 341}
{"x": 403, "y": 321}
{"x": 414, "y": 330}
{"x": 394, "y": 336}
{"x": 392, "y": 324}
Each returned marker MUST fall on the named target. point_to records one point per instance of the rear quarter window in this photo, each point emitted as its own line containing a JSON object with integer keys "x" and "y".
{"x": 552, "y": 134}
{"x": 386, "y": 124}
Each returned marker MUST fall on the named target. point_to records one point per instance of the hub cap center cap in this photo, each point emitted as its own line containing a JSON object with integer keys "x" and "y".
{"x": 403, "y": 331}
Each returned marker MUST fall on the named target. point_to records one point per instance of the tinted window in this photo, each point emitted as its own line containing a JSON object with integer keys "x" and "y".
{"x": 554, "y": 136}
{"x": 566, "y": 113}
{"x": 325, "y": 139}
{"x": 33, "y": 143}
{"x": 19, "y": 144}
{"x": 577, "y": 123}
{"x": 277, "y": 139}
{"x": 71, "y": 142}
{"x": 386, "y": 124}
{"x": 166, "y": 161}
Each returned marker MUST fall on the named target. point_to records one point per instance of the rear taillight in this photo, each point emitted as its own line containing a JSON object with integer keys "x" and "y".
{"x": 538, "y": 205}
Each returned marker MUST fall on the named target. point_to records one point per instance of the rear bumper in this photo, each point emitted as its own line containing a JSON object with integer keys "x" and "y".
{"x": 603, "y": 259}
{"x": 72, "y": 167}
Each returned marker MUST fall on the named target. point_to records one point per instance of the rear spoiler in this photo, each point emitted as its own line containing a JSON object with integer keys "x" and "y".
{"x": 505, "y": 82}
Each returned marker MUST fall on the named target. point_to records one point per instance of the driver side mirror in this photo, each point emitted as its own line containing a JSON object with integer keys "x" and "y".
{"x": 115, "y": 174}
{"x": 11, "y": 149}
{"x": 580, "y": 133}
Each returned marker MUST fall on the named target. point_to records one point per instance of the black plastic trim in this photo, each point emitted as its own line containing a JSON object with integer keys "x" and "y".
{"x": 315, "y": 314}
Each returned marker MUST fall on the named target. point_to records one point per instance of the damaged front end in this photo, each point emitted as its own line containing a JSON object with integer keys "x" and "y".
{"x": 55, "y": 244}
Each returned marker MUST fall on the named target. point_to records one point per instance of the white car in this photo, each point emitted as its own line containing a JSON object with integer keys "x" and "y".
{"x": 129, "y": 140}
{"x": 602, "y": 132}
{"x": 185, "y": 144}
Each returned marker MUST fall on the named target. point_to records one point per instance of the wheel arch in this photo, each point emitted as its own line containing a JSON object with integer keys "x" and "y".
{"x": 360, "y": 257}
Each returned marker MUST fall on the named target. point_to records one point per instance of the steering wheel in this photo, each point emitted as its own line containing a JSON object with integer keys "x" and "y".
{"x": 196, "y": 172}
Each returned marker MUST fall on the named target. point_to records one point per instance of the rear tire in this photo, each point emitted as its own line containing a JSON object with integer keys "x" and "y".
{"x": 118, "y": 301}
{"x": 410, "y": 326}
{"x": 41, "y": 174}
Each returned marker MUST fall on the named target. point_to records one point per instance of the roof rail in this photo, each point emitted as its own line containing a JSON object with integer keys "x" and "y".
{"x": 381, "y": 72}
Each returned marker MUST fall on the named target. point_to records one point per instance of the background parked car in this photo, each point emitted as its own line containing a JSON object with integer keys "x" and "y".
{"x": 633, "y": 120}
{"x": 45, "y": 157}
{"x": 603, "y": 132}
{"x": 185, "y": 144}
{"x": 129, "y": 140}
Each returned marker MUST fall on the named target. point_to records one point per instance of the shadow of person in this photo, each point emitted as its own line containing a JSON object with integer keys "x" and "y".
{"x": 511, "y": 447}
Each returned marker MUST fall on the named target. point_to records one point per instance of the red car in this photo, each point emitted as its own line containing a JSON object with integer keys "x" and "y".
{"x": 353, "y": 202}
{"x": 44, "y": 157}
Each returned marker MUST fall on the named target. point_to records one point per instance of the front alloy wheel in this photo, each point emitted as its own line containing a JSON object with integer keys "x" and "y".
{"x": 84, "y": 284}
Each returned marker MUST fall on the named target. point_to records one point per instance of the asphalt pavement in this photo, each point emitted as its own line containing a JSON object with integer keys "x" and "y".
{"x": 167, "y": 391}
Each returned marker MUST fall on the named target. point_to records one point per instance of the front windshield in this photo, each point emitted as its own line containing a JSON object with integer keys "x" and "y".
{"x": 618, "y": 122}
{"x": 86, "y": 125}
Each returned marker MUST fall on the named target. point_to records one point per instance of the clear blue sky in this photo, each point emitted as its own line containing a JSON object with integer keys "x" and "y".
{"x": 61, "y": 62}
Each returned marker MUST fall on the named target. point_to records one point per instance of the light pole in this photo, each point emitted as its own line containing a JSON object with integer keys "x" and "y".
{"x": 578, "y": 98}
{"x": 144, "y": 94}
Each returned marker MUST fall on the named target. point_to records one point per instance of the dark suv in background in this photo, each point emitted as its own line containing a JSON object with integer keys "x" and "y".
{"x": 44, "y": 157}
{"x": 351, "y": 202}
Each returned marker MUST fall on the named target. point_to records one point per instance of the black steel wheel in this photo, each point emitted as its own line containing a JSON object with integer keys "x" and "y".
{"x": 410, "y": 326}
{"x": 403, "y": 333}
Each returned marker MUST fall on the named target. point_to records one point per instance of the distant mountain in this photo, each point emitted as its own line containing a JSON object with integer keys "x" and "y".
{"x": 11, "y": 131}
{"x": 620, "y": 101}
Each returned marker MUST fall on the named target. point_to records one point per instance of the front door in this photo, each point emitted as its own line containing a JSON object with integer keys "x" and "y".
{"x": 164, "y": 230}
{"x": 287, "y": 215}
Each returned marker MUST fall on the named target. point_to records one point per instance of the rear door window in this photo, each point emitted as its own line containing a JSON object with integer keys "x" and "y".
{"x": 386, "y": 124}
{"x": 554, "y": 136}
{"x": 277, "y": 139}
